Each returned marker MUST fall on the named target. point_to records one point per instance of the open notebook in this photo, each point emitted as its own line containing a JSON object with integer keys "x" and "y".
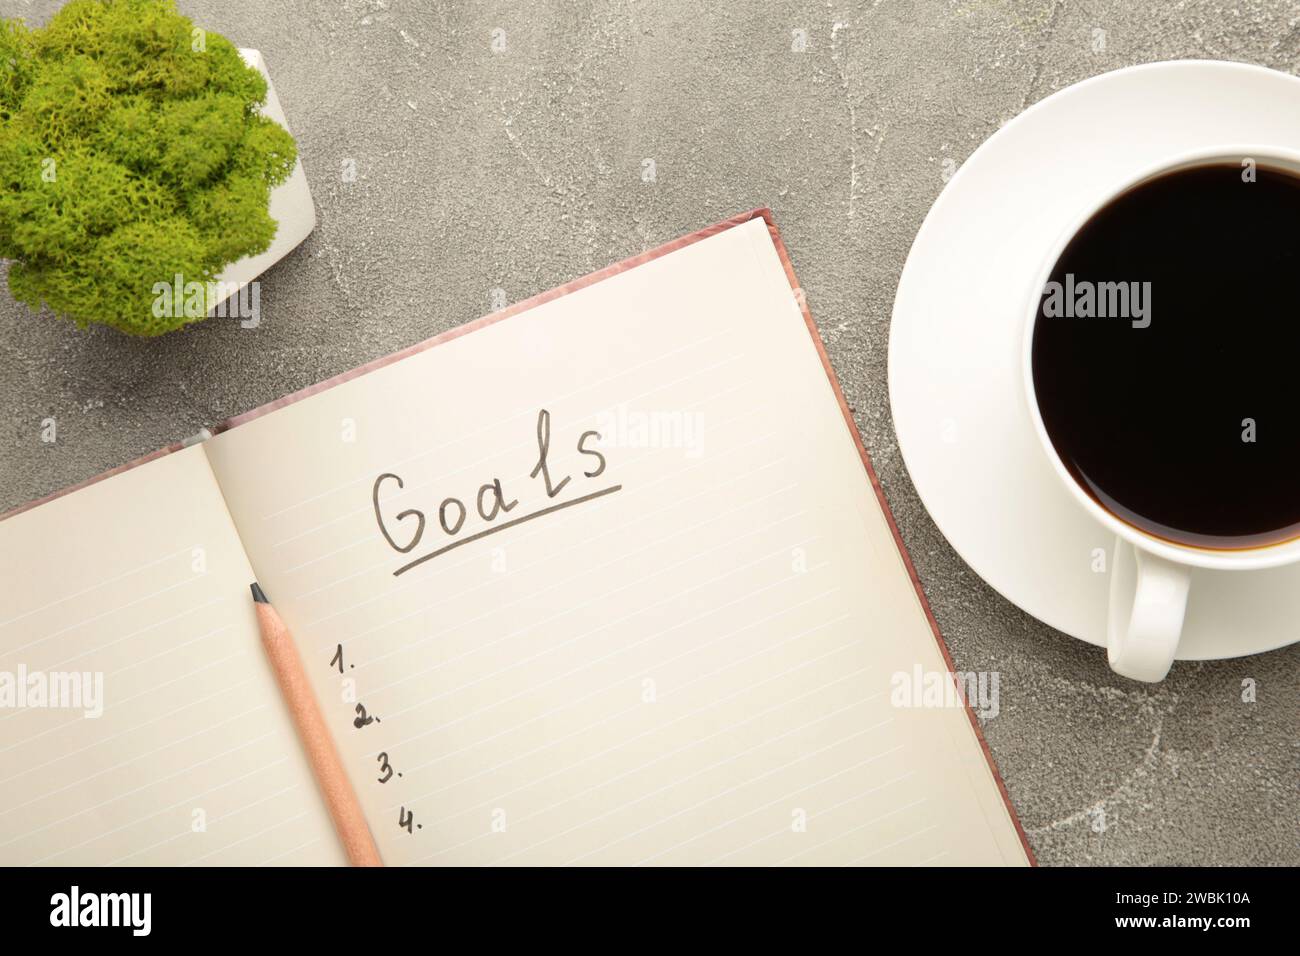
{"x": 603, "y": 578}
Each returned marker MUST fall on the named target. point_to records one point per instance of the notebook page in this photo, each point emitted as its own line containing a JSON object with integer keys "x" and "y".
{"x": 606, "y": 582}
{"x": 127, "y": 604}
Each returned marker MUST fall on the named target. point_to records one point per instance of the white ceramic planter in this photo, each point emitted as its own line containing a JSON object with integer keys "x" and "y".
{"x": 291, "y": 205}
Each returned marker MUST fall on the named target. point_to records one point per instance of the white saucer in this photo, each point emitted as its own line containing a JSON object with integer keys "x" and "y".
{"x": 954, "y": 346}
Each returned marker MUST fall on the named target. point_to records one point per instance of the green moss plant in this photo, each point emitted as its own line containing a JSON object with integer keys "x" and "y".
{"x": 131, "y": 152}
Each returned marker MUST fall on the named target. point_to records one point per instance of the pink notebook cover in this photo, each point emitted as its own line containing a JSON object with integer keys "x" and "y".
{"x": 630, "y": 263}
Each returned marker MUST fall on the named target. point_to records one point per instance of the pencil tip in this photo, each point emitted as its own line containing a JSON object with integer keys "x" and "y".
{"x": 258, "y": 594}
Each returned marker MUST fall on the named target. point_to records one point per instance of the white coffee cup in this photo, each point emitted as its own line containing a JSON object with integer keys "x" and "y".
{"x": 1150, "y": 577}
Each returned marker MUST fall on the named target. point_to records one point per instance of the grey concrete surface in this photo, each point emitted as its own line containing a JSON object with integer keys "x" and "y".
{"x": 521, "y": 169}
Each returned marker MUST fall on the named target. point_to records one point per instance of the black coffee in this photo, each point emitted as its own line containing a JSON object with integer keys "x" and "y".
{"x": 1166, "y": 353}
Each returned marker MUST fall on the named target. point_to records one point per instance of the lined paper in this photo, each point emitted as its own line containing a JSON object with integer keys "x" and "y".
{"x": 140, "y": 582}
{"x": 675, "y": 646}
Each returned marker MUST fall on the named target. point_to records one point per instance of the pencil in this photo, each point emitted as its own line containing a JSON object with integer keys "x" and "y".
{"x": 324, "y": 758}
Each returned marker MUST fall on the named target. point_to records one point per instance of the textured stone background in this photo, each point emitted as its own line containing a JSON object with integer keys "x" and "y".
{"x": 521, "y": 170}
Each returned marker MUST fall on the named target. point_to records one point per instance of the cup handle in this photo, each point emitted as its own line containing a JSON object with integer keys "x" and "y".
{"x": 1144, "y": 625}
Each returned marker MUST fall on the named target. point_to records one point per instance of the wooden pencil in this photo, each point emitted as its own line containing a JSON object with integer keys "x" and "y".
{"x": 335, "y": 786}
